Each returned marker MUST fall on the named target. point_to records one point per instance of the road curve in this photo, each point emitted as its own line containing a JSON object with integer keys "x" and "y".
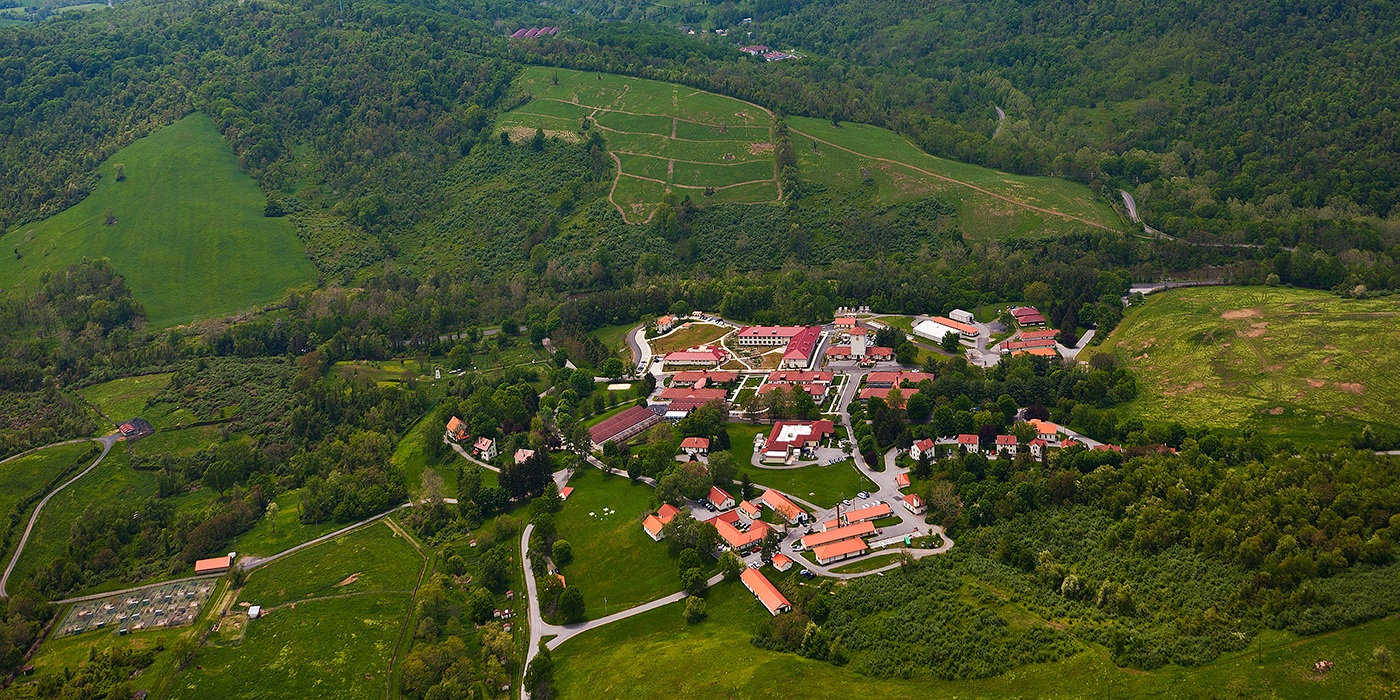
{"x": 107, "y": 442}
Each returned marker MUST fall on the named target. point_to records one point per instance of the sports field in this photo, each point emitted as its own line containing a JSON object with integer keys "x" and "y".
{"x": 991, "y": 204}
{"x": 663, "y": 137}
{"x": 1287, "y": 362}
{"x": 189, "y": 234}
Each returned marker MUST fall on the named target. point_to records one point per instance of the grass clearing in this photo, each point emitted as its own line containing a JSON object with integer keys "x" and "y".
{"x": 374, "y": 556}
{"x": 56, "y": 655}
{"x": 190, "y": 236}
{"x": 822, "y": 484}
{"x": 26, "y": 476}
{"x": 121, "y": 399}
{"x": 615, "y": 338}
{"x": 613, "y": 557}
{"x": 271, "y": 536}
{"x": 868, "y": 564}
{"x": 741, "y": 436}
{"x": 1286, "y": 362}
{"x": 655, "y": 654}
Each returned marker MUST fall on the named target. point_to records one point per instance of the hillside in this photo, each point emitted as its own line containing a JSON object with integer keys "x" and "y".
{"x": 1279, "y": 361}
{"x": 188, "y": 230}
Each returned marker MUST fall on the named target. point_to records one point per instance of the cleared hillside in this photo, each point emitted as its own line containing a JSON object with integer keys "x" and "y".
{"x": 188, "y": 230}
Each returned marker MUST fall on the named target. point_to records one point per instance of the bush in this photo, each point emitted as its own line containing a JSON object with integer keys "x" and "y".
{"x": 563, "y": 553}
{"x": 695, "y": 610}
{"x": 571, "y": 607}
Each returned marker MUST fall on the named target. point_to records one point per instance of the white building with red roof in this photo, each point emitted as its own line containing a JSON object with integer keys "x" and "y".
{"x": 867, "y": 514}
{"x": 969, "y": 443}
{"x": 523, "y": 454}
{"x": 750, "y": 511}
{"x": 702, "y": 356}
{"x": 652, "y": 525}
{"x": 837, "y": 551}
{"x": 1045, "y": 430}
{"x": 783, "y": 506}
{"x": 802, "y": 348}
{"x": 457, "y": 429}
{"x": 486, "y": 448}
{"x": 1007, "y": 445}
{"x": 667, "y": 513}
{"x": 923, "y": 447}
{"x": 767, "y": 593}
{"x": 766, "y": 336}
{"x": 781, "y": 562}
{"x": 817, "y": 539}
{"x": 914, "y": 504}
{"x": 719, "y": 499}
{"x": 788, "y": 439}
{"x": 695, "y": 446}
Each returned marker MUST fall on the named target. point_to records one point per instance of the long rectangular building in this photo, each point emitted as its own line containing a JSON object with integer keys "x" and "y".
{"x": 623, "y": 426}
{"x": 817, "y": 539}
{"x": 767, "y": 335}
{"x": 767, "y": 593}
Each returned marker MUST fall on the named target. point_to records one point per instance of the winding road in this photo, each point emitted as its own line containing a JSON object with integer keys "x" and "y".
{"x": 107, "y": 442}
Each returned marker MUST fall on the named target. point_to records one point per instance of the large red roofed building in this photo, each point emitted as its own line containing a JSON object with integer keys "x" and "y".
{"x": 209, "y": 566}
{"x": 727, "y": 525}
{"x": 708, "y": 376}
{"x": 623, "y": 426}
{"x": 801, "y": 348}
{"x": 782, "y": 505}
{"x": 767, "y": 593}
{"x": 681, "y": 392}
{"x": 818, "y": 539}
{"x": 789, "y": 438}
{"x": 767, "y": 335}
{"x": 719, "y": 499}
{"x": 836, "y": 551}
{"x": 704, "y": 356}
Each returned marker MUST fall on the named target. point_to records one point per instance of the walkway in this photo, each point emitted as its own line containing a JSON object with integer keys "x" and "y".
{"x": 107, "y": 442}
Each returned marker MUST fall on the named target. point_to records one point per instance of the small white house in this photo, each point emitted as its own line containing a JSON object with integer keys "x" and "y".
{"x": 920, "y": 448}
{"x": 254, "y": 612}
{"x": 962, "y": 316}
{"x": 486, "y": 448}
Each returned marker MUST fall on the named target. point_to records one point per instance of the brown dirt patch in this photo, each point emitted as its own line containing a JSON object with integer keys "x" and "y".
{"x": 1272, "y": 368}
{"x": 1330, "y": 347}
{"x": 1315, "y": 383}
{"x": 759, "y": 149}
{"x": 349, "y": 579}
{"x": 1255, "y": 330}
{"x": 1193, "y": 386}
{"x": 1273, "y": 411}
{"x": 1239, "y": 314}
{"x": 1352, "y": 387}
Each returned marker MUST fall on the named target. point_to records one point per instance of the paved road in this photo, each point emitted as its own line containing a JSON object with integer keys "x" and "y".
{"x": 462, "y": 451}
{"x": 107, "y": 442}
{"x": 1001, "y": 117}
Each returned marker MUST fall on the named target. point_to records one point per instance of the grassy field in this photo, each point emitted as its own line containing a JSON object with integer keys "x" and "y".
{"x": 615, "y": 339}
{"x": 376, "y": 557}
{"x": 696, "y": 334}
{"x": 1292, "y": 362}
{"x": 991, "y": 204}
{"x": 271, "y": 536}
{"x": 868, "y": 564}
{"x": 20, "y": 478}
{"x": 666, "y": 137}
{"x": 122, "y": 399}
{"x": 741, "y": 437}
{"x": 822, "y": 484}
{"x": 613, "y": 557}
{"x": 656, "y": 654}
{"x": 336, "y": 648}
{"x": 190, "y": 236}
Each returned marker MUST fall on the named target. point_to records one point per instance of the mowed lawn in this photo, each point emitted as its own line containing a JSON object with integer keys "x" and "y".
{"x": 1292, "y": 362}
{"x": 22, "y": 477}
{"x": 613, "y": 557}
{"x": 901, "y": 172}
{"x": 338, "y": 648}
{"x": 656, "y": 654}
{"x": 190, "y": 236}
{"x": 123, "y": 399}
{"x": 822, "y": 484}
{"x": 375, "y": 556}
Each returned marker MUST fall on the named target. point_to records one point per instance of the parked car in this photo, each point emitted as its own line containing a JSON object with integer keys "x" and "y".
{"x": 846, "y": 502}
{"x": 808, "y": 574}
{"x": 864, "y": 494}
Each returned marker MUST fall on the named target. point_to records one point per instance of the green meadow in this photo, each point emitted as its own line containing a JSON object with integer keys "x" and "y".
{"x": 122, "y": 399}
{"x": 1286, "y": 362}
{"x": 614, "y": 559}
{"x": 372, "y": 558}
{"x": 656, "y": 654}
{"x": 667, "y": 137}
{"x": 842, "y": 159}
{"x": 189, "y": 234}
{"x": 822, "y": 484}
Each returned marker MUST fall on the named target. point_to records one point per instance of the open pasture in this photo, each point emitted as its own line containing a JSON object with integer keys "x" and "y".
{"x": 654, "y": 128}
{"x": 1288, "y": 362}
{"x": 187, "y": 230}
{"x": 372, "y": 558}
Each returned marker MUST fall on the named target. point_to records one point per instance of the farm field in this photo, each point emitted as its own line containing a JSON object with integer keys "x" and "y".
{"x": 190, "y": 236}
{"x": 696, "y": 334}
{"x": 664, "y": 137}
{"x": 1287, "y": 362}
{"x": 613, "y": 557}
{"x": 901, "y": 172}
{"x": 822, "y": 484}
{"x": 656, "y": 654}
{"x": 372, "y": 558}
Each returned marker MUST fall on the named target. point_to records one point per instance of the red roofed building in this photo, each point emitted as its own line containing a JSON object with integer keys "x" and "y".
{"x": 755, "y": 50}
{"x": 767, "y": 335}
{"x": 1038, "y": 447}
{"x": 867, "y": 514}
{"x": 667, "y": 513}
{"x": 789, "y": 438}
{"x": 485, "y": 448}
{"x": 805, "y": 377}
{"x": 781, "y": 562}
{"x": 816, "y": 390}
{"x": 1037, "y": 352}
{"x": 783, "y": 506}
{"x": 623, "y": 426}
{"x": 704, "y": 356}
{"x": 1043, "y": 333}
{"x": 523, "y": 454}
{"x": 653, "y": 525}
{"x": 901, "y": 480}
{"x": 837, "y": 551}
{"x": 969, "y": 443}
{"x": 846, "y": 323}
{"x": 914, "y": 504}
{"x": 1006, "y": 444}
{"x": 750, "y": 511}
{"x": 695, "y": 446}
{"x": 1045, "y": 430}
{"x": 457, "y": 429}
{"x": 676, "y": 393}
{"x": 889, "y": 379}
{"x": 818, "y": 539}
{"x": 767, "y": 594}
{"x": 208, "y": 566}
{"x": 665, "y": 323}
{"x": 727, "y": 525}
{"x": 922, "y": 447}
{"x": 565, "y": 492}
{"x": 708, "y": 376}
{"x": 719, "y": 499}
{"x": 802, "y": 347}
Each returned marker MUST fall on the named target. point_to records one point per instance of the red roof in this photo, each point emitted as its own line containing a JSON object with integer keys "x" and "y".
{"x": 213, "y": 564}
{"x": 780, "y": 503}
{"x": 712, "y": 377}
{"x": 871, "y": 513}
{"x": 901, "y": 480}
{"x": 1020, "y": 311}
{"x": 621, "y": 423}
{"x": 813, "y": 389}
{"x": 781, "y": 562}
{"x": 845, "y": 321}
{"x": 565, "y": 492}
{"x": 925, "y": 444}
{"x": 818, "y": 539}
{"x": 683, "y": 392}
{"x": 800, "y": 377}
{"x": 457, "y": 427}
{"x": 792, "y": 430}
{"x": 767, "y": 593}
{"x": 1006, "y": 440}
{"x": 697, "y": 443}
{"x": 1043, "y": 333}
{"x": 1030, "y": 320}
{"x": 956, "y": 325}
{"x": 770, "y": 331}
{"x": 652, "y": 525}
{"x": 800, "y": 346}
{"x": 718, "y": 497}
{"x": 483, "y": 444}
{"x": 914, "y": 500}
{"x": 968, "y": 440}
{"x": 696, "y": 355}
{"x": 839, "y": 549}
{"x": 667, "y": 513}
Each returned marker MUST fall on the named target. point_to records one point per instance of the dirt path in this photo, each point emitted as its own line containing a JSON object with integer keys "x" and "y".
{"x": 958, "y": 182}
